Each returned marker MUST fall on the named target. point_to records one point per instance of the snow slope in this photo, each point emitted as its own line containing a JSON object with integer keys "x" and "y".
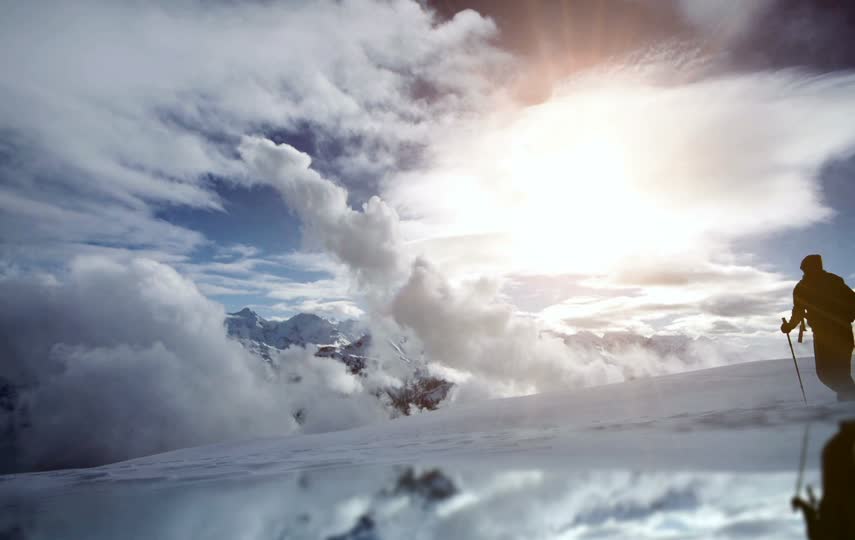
{"x": 705, "y": 454}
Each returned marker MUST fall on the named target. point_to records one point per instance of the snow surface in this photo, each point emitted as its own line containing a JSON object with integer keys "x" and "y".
{"x": 705, "y": 454}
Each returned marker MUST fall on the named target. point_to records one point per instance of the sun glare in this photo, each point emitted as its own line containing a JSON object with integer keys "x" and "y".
{"x": 587, "y": 182}
{"x": 580, "y": 205}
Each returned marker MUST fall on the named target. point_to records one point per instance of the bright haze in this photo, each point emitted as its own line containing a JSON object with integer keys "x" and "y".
{"x": 485, "y": 178}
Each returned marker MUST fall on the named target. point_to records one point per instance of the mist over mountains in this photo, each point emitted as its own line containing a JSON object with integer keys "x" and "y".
{"x": 345, "y": 342}
{"x": 90, "y": 382}
{"x": 351, "y": 338}
{"x": 161, "y": 366}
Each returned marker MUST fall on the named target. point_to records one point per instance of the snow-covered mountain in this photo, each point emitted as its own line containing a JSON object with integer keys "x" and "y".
{"x": 301, "y": 329}
{"x": 342, "y": 341}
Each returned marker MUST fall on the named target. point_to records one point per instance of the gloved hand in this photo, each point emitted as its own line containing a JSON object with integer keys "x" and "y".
{"x": 785, "y": 327}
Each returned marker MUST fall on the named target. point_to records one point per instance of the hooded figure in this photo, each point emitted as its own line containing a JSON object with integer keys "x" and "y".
{"x": 825, "y": 301}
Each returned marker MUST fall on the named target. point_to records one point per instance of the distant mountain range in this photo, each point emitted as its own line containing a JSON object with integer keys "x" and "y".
{"x": 351, "y": 345}
{"x": 343, "y": 341}
{"x": 301, "y": 329}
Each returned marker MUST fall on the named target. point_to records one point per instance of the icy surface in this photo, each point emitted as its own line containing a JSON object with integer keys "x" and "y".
{"x": 706, "y": 454}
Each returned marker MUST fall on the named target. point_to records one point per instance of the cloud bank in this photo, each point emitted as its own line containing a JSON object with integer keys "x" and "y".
{"x": 128, "y": 360}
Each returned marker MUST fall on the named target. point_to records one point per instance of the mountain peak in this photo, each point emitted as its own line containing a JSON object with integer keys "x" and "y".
{"x": 245, "y": 313}
{"x": 301, "y": 329}
{"x": 305, "y": 318}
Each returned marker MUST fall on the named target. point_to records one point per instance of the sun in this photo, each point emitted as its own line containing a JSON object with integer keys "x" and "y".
{"x": 573, "y": 185}
{"x": 580, "y": 202}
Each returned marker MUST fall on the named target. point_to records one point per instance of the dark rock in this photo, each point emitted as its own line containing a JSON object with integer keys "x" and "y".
{"x": 424, "y": 393}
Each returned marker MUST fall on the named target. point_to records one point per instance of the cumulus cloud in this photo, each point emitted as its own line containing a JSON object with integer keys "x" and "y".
{"x": 479, "y": 341}
{"x": 367, "y": 241}
{"x": 118, "y": 361}
{"x": 467, "y": 332}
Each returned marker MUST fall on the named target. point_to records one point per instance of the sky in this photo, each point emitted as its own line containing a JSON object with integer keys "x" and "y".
{"x": 640, "y": 166}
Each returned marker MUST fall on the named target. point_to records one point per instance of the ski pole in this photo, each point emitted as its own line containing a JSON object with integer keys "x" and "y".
{"x": 790, "y": 341}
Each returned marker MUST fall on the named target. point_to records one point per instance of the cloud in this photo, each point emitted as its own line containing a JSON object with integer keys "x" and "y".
{"x": 775, "y": 34}
{"x": 489, "y": 350}
{"x": 100, "y": 132}
{"x": 367, "y": 241}
{"x": 55, "y": 225}
{"x": 691, "y": 300}
{"x": 546, "y": 177}
{"x": 743, "y": 305}
{"x": 269, "y": 275}
{"x": 638, "y": 179}
{"x": 727, "y": 21}
{"x": 724, "y": 327}
{"x": 112, "y": 111}
{"x": 329, "y": 309}
{"x": 118, "y": 361}
{"x": 309, "y": 261}
{"x": 657, "y": 273}
{"x": 467, "y": 332}
{"x": 235, "y": 251}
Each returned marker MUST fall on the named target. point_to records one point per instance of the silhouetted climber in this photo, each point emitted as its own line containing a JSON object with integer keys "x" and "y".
{"x": 828, "y": 304}
{"x": 833, "y": 518}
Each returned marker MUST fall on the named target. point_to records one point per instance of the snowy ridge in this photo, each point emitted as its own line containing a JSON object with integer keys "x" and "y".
{"x": 712, "y": 418}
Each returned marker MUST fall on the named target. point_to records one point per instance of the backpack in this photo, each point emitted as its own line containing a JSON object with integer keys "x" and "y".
{"x": 829, "y": 301}
{"x": 848, "y": 302}
{"x": 842, "y": 298}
